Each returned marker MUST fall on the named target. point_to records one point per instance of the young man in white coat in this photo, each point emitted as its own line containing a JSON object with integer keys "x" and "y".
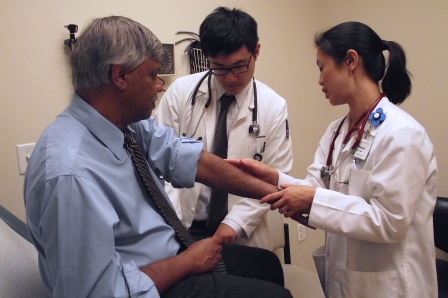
{"x": 257, "y": 125}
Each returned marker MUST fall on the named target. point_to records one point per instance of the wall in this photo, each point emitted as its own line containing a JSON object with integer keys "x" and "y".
{"x": 35, "y": 76}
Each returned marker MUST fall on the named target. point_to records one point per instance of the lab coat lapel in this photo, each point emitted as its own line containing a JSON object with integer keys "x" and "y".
{"x": 209, "y": 120}
{"x": 247, "y": 107}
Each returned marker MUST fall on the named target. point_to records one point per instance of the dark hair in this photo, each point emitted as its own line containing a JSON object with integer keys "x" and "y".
{"x": 109, "y": 41}
{"x": 224, "y": 31}
{"x": 335, "y": 42}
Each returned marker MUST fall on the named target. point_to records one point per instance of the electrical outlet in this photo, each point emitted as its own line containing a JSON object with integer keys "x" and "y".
{"x": 301, "y": 232}
{"x": 23, "y": 155}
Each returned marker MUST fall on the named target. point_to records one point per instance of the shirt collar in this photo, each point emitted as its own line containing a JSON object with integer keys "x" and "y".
{"x": 110, "y": 135}
{"x": 240, "y": 97}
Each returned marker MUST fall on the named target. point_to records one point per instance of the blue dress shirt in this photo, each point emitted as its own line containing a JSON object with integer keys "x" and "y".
{"x": 87, "y": 214}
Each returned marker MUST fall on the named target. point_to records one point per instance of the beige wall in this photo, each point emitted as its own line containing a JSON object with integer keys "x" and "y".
{"x": 35, "y": 76}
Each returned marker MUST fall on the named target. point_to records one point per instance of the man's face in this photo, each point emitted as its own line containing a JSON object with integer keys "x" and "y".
{"x": 143, "y": 86}
{"x": 235, "y": 83}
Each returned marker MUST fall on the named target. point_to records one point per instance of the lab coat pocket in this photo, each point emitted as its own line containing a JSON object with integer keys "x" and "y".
{"x": 320, "y": 261}
{"x": 358, "y": 184}
{"x": 349, "y": 284}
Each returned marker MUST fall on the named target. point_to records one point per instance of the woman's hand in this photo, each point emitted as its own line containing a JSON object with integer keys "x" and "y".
{"x": 293, "y": 201}
{"x": 256, "y": 169}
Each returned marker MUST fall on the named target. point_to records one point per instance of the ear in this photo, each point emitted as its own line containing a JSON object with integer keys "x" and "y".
{"x": 257, "y": 51}
{"x": 118, "y": 77}
{"x": 352, "y": 60}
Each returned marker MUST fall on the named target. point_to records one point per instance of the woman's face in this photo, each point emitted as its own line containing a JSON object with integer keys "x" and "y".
{"x": 333, "y": 78}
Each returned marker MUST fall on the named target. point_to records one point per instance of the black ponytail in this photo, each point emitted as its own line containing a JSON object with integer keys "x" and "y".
{"x": 335, "y": 42}
{"x": 396, "y": 83}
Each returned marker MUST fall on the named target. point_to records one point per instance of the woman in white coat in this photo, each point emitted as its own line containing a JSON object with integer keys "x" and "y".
{"x": 373, "y": 195}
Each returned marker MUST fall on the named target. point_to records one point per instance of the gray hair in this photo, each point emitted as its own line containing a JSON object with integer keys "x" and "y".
{"x": 109, "y": 41}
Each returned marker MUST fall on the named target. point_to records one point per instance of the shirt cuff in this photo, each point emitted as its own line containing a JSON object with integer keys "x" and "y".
{"x": 187, "y": 162}
{"x": 238, "y": 229}
{"x": 137, "y": 281}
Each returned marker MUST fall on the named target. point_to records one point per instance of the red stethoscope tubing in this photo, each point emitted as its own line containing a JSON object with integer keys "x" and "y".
{"x": 355, "y": 128}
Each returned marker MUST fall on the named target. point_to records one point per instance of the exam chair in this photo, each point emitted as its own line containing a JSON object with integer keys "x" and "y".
{"x": 19, "y": 271}
{"x": 299, "y": 281}
{"x": 440, "y": 221}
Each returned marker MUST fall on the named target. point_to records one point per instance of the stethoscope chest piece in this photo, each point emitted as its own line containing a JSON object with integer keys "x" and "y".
{"x": 258, "y": 157}
{"x": 326, "y": 171}
{"x": 254, "y": 128}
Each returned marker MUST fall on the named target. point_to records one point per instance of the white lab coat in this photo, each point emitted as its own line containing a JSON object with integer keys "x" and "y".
{"x": 175, "y": 109}
{"x": 379, "y": 240}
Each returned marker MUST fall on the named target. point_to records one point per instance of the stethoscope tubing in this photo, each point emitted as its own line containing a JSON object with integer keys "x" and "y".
{"x": 252, "y": 128}
{"x": 193, "y": 101}
{"x": 356, "y": 128}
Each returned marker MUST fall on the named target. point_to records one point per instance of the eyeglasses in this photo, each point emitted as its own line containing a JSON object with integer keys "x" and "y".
{"x": 222, "y": 71}
{"x": 162, "y": 81}
{"x": 157, "y": 76}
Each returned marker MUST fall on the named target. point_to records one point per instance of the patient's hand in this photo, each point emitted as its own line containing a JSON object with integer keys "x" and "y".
{"x": 203, "y": 255}
{"x": 257, "y": 169}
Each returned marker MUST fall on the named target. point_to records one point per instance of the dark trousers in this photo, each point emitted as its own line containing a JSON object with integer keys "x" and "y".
{"x": 252, "y": 272}
{"x": 244, "y": 260}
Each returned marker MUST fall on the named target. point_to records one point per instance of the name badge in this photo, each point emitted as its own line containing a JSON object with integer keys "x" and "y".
{"x": 363, "y": 149}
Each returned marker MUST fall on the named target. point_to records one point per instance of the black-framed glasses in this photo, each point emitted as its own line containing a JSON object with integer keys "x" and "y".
{"x": 238, "y": 69}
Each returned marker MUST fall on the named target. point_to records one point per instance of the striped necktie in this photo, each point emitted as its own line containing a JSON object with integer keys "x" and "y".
{"x": 218, "y": 198}
{"x": 152, "y": 192}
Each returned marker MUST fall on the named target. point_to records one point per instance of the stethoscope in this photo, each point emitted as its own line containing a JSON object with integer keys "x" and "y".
{"x": 329, "y": 169}
{"x": 253, "y": 128}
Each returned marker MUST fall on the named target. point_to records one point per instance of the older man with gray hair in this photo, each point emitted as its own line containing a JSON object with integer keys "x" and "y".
{"x": 100, "y": 223}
